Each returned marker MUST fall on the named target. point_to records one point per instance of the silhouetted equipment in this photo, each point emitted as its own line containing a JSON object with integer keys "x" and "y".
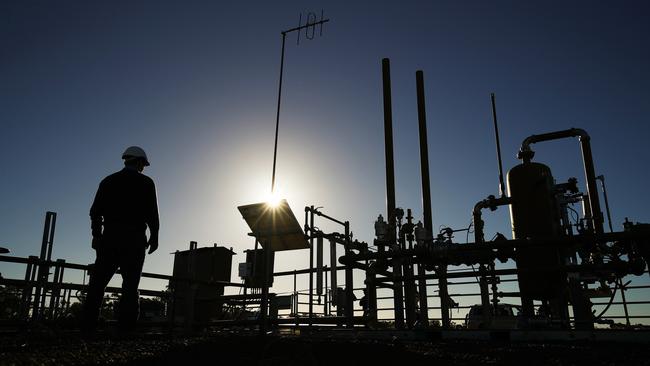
{"x": 563, "y": 258}
{"x": 555, "y": 263}
{"x": 254, "y": 269}
{"x": 199, "y": 277}
{"x": 274, "y": 227}
{"x": 534, "y": 213}
{"x": 426, "y": 204}
{"x": 44, "y": 269}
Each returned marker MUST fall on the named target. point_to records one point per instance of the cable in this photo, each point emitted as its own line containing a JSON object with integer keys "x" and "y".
{"x": 471, "y": 223}
{"x": 611, "y": 300}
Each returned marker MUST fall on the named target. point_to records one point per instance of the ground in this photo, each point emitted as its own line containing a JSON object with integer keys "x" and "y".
{"x": 50, "y": 347}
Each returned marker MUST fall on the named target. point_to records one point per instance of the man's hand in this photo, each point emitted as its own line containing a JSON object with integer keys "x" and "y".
{"x": 98, "y": 242}
{"x": 153, "y": 243}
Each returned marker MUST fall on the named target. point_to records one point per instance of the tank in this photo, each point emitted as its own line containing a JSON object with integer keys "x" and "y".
{"x": 534, "y": 213}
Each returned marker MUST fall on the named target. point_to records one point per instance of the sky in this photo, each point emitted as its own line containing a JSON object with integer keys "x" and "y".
{"x": 195, "y": 84}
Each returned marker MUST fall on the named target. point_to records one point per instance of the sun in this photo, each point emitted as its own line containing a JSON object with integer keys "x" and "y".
{"x": 273, "y": 199}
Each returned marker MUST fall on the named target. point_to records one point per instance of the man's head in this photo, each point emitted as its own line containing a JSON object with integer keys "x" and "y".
{"x": 135, "y": 157}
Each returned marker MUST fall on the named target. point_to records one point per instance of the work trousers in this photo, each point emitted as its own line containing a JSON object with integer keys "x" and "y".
{"x": 127, "y": 253}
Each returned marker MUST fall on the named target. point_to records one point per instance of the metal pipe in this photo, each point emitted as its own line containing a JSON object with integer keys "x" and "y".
{"x": 454, "y": 253}
{"x": 319, "y": 265}
{"x": 50, "y": 242}
{"x": 388, "y": 144}
{"x": 26, "y": 298}
{"x": 426, "y": 204}
{"x": 265, "y": 290}
{"x": 479, "y": 238}
{"x": 390, "y": 186}
{"x": 502, "y": 186}
{"x": 407, "y": 268}
{"x": 333, "y": 267}
{"x": 311, "y": 265}
{"x": 601, "y": 178}
{"x": 424, "y": 152}
{"x": 53, "y": 288}
{"x": 426, "y": 189}
{"x": 43, "y": 265}
{"x": 526, "y": 154}
{"x": 318, "y": 213}
{"x": 349, "y": 282}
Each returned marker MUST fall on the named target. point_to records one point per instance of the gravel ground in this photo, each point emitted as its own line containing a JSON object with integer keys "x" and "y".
{"x": 68, "y": 348}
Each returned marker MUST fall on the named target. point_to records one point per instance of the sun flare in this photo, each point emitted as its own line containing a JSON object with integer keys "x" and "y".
{"x": 273, "y": 199}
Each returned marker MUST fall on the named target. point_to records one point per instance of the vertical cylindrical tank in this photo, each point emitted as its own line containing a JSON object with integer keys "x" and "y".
{"x": 534, "y": 214}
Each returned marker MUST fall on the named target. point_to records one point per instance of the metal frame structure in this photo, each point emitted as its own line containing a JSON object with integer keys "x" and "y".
{"x": 583, "y": 254}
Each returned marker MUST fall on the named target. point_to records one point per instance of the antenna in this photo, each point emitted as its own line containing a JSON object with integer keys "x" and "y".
{"x": 496, "y": 134}
{"x": 310, "y": 26}
{"x": 311, "y": 22}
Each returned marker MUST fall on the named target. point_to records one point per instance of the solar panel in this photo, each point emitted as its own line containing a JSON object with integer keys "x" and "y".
{"x": 274, "y": 226}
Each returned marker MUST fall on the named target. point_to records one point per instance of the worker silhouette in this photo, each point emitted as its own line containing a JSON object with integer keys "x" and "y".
{"x": 124, "y": 206}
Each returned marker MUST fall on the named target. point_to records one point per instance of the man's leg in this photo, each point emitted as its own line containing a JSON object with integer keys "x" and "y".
{"x": 101, "y": 273}
{"x": 131, "y": 269}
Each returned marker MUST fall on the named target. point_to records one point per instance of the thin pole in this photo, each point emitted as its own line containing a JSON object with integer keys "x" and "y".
{"x": 426, "y": 189}
{"x": 311, "y": 265}
{"x": 502, "y": 187}
{"x": 277, "y": 115}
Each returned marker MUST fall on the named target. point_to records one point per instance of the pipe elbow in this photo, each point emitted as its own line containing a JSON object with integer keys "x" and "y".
{"x": 479, "y": 206}
{"x": 581, "y": 134}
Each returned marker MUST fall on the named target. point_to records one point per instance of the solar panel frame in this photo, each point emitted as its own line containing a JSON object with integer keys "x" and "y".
{"x": 276, "y": 227}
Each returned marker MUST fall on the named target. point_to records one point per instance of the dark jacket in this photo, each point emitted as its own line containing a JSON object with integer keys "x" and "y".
{"x": 125, "y": 204}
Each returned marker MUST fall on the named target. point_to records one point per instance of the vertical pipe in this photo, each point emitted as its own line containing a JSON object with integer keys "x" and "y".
{"x": 311, "y": 264}
{"x": 502, "y": 186}
{"x": 592, "y": 189}
{"x": 26, "y": 299}
{"x": 409, "y": 284}
{"x": 325, "y": 295}
{"x": 349, "y": 281}
{"x": 390, "y": 189}
{"x": 294, "y": 303}
{"x": 265, "y": 289}
{"x": 333, "y": 265}
{"x": 50, "y": 242}
{"x": 444, "y": 296}
{"x": 424, "y": 152}
{"x": 46, "y": 229}
{"x": 43, "y": 268}
{"x": 388, "y": 143}
{"x": 319, "y": 266}
{"x": 426, "y": 189}
{"x": 54, "y": 291}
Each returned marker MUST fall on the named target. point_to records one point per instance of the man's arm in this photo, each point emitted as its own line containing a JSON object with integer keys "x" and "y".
{"x": 97, "y": 216}
{"x": 153, "y": 221}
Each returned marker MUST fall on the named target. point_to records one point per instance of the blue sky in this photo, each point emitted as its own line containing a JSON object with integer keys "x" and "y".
{"x": 195, "y": 84}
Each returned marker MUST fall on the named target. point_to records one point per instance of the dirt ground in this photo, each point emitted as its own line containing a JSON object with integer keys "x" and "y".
{"x": 68, "y": 348}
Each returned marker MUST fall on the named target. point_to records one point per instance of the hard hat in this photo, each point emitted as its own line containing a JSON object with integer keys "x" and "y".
{"x": 133, "y": 152}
